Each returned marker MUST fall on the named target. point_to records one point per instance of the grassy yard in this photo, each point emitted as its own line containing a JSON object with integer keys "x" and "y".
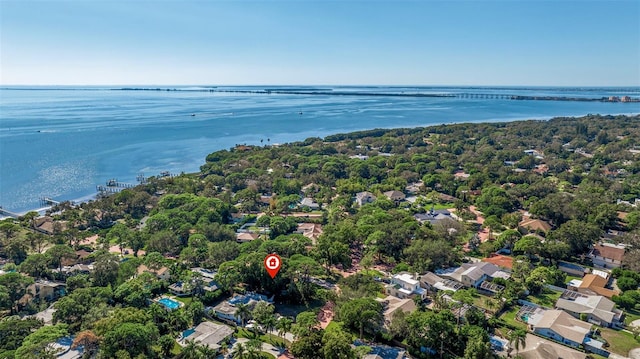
{"x": 547, "y": 298}
{"x": 510, "y": 318}
{"x": 177, "y": 349}
{"x": 269, "y": 338}
{"x": 631, "y": 315}
{"x": 619, "y": 342}
{"x": 185, "y": 300}
{"x": 292, "y": 310}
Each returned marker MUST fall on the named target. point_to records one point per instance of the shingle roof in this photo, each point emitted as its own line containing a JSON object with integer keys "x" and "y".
{"x": 608, "y": 252}
{"x": 565, "y": 325}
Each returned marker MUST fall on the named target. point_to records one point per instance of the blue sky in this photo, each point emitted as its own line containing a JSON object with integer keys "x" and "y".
{"x": 88, "y": 42}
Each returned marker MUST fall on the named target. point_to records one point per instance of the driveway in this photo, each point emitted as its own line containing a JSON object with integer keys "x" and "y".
{"x": 266, "y": 347}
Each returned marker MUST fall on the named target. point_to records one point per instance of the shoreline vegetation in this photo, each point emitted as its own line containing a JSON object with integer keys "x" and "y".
{"x": 371, "y": 227}
{"x": 372, "y": 132}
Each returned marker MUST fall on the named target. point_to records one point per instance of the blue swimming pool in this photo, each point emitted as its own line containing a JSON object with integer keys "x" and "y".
{"x": 188, "y": 332}
{"x": 169, "y": 303}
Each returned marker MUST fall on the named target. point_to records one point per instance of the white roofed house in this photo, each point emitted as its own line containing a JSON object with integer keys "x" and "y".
{"x": 404, "y": 286}
{"x": 209, "y": 334}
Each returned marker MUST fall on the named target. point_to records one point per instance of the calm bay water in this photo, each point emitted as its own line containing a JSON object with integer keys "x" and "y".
{"x": 62, "y": 142}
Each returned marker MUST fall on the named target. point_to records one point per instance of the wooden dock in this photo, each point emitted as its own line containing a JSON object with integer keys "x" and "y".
{"x": 7, "y": 213}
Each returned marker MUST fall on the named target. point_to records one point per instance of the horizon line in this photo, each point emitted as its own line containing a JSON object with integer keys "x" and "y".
{"x": 316, "y": 85}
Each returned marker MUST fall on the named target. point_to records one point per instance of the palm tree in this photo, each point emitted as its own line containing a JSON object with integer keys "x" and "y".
{"x": 190, "y": 351}
{"x": 518, "y": 339}
{"x": 239, "y": 351}
{"x": 283, "y": 325}
{"x": 243, "y": 313}
{"x": 489, "y": 304}
{"x": 269, "y": 324}
{"x": 439, "y": 301}
{"x": 207, "y": 352}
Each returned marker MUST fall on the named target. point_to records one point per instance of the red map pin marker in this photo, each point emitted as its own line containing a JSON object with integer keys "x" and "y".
{"x": 272, "y": 264}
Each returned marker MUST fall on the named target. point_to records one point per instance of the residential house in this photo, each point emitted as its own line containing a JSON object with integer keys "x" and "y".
{"x": 594, "y": 309}
{"x": 44, "y": 290}
{"x": 572, "y": 268}
{"x": 433, "y": 216}
{"x": 181, "y": 288}
{"x": 209, "y": 334}
{"x": 310, "y": 188}
{"x": 500, "y": 260}
{"x": 242, "y": 237}
{"x": 592, "y": 284}
{"x": 365, "y": 197}
{"x": 207, "y": 278}
{"x": 433, "y": 283}
{"x": 392, "y": 304}
{"x": 414, "y": 187}
{"x": 473, "y": 274}
{"x": 403, "y": 286}
{"x": 48, "y": 226}
{"x": 530, "y": 225}
{"x": 309, "y": 202}
{"x": 461, "y": 175}
{"x": 395, "y": 196}
{"x": 310, "y": 230}
{"x": 226, "y": 310}
{"x": 605, "y": 255}
{"x": 162, "y": 273}
{"x": 562, "y": 327}
{"x": 548, "y": 349}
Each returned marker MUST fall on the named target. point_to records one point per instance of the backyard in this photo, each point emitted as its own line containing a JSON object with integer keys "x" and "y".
{"x": 620, "y": 342}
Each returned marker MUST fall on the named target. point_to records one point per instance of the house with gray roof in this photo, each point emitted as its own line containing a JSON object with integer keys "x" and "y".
{"x": 433, "y": 216}
{"x": 209, "y": 334}
{"x": 598, "y": 309}
{"x": 562, "y": 327}
{"x": 473, "y": 274}
{"x": 434, "y": 283}
{"x": 365, "y": 197}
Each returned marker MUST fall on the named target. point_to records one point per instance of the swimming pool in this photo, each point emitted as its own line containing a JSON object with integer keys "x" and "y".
{"x": 169, "y": 303}
{"x": 188, "y": 332}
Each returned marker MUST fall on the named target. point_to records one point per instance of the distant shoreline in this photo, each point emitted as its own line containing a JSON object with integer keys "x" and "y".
{"x": 93, "y": 196}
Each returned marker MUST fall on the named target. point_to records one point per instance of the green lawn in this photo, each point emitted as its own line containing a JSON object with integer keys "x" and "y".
{"x": 631, "y": 315}
{"x": 266, "y": 355}
{"x": 619, "y": 342}
{"x": 547, "y": 298}
{"x": 272, "y": 339}
{"x": 177, "y": 349}
{"x": 510, "y": 318}
{"x": 185, "y": 300}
